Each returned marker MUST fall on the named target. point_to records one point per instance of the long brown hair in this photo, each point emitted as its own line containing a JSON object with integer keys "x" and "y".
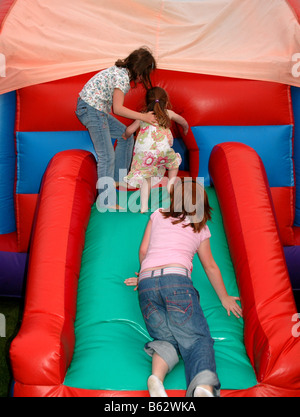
{"x": 140, "y": 63}
{"x": 157, "y": 100}
{"x": 189, "y": 201}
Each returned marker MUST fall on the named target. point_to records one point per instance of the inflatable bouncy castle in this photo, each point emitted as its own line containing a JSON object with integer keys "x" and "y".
{"x": 232, "y": 70}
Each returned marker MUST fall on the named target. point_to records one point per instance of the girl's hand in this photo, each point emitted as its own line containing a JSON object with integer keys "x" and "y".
{"x": 185, "y": 129}
{"x": 125, "y": 135}
{"x": 149, "y": 118}
{"x": 131, "y": 129}
{"x": 230, "y": 304}
{"x": 132, "y": 282}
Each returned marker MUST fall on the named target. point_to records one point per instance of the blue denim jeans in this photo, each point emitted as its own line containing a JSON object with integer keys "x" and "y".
{"x": 102, "y": 128}
{"x": 174, "y": 319}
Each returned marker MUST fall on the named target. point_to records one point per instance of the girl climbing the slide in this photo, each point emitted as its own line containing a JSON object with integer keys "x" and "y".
{"x": 104, "y": 92}
{"x": 168, "y": 300}
{"x": 153, "y": 152}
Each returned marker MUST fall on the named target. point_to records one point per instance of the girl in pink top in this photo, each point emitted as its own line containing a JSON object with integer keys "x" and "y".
{"x": 169, "y": 301}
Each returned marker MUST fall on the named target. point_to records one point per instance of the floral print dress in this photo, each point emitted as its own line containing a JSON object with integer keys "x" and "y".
{"x": 152, "y": 155}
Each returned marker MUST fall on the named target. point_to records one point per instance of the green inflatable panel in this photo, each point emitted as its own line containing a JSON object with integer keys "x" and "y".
{"x": 109, "y": 328}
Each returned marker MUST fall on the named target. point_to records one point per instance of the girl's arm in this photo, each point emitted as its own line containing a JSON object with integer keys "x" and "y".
{"x": 214, "y": 275}
{"x": 145, "y": 242}
{"x": 133, "y": 281}
{"x": 120, "y": 110}
{"x": 180, "y": 120}
{"x": 130, "y": 130}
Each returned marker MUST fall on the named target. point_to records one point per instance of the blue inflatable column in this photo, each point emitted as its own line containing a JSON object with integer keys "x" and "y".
{"x": 7, "y": 163}
{"x": 296, "y": 106}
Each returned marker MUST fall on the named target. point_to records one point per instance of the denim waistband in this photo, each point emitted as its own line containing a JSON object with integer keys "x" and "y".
{"x": 165, "y": 271}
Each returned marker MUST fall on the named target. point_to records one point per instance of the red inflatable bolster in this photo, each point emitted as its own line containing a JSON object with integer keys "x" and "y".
{"x": 284, "y": 204}
{"x": 43, "y": 349}
{"x": 25, "y": 210}
{"x": 267, "y": 299}
{"x": 297, "y": 235}
{"x": 21, "y": 390}
{"x": 8, "y": 243}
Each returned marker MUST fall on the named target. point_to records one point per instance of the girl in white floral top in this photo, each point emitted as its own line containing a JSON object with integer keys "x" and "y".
{"x": 105, "y": 92}
{"x": 153, "y": 152}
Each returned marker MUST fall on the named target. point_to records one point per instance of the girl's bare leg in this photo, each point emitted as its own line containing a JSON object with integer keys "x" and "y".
{"x": 145, "y": 194}
{"x": 172, "y": 174}
{"x": 156, "y": 380}
{"x": 159, "y": 367}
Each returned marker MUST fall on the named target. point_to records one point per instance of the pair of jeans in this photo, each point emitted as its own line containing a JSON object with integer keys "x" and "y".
{"x": 174, "y": 319}
{"x": 102, "y": 128}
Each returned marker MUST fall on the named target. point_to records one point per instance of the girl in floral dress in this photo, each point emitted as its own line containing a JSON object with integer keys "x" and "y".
{"x": 153, "y": 152}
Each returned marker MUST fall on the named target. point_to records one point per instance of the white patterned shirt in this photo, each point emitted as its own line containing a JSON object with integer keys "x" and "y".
{"x": 98, "y": 91}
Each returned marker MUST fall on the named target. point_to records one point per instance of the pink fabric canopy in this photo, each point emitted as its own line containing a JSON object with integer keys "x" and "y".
{"x": 44, "y": 40}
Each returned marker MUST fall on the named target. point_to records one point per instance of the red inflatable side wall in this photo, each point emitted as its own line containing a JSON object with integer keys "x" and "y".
{"x": 267, "y": 299}
{"x": 43, "y": 349}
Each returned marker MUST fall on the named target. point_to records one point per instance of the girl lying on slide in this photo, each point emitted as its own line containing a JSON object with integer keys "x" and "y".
{"x": 168, "y": 300}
